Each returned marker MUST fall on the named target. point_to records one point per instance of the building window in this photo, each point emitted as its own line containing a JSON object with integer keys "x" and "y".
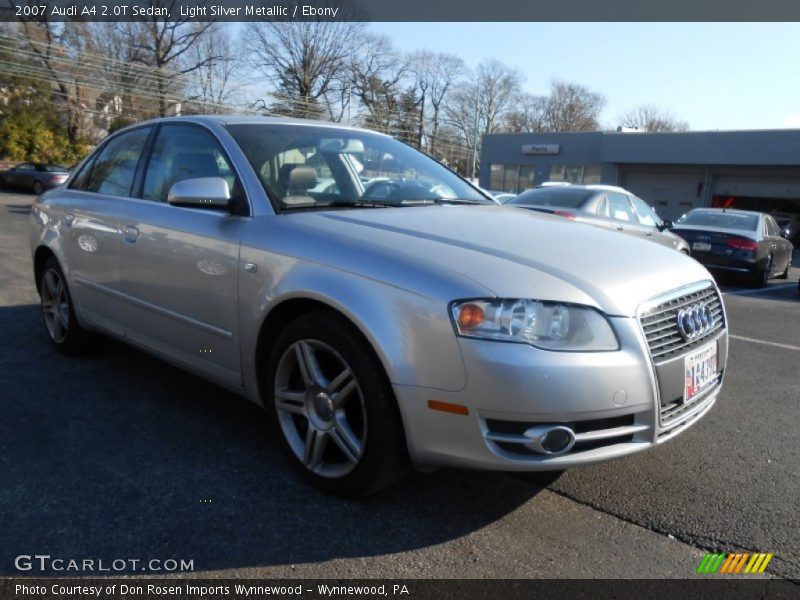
{"x": 576, "y": 174}
{"x": 557, "y": 173}
{"x": 495, "y": 177}
{"x": 511, "y": 178}
{"x": 592, "y": 174}
{"x": 527, "y": 174}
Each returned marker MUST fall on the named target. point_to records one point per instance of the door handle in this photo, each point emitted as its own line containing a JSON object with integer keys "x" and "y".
{"x": 649, "y": 233}
{"x": 620, "y": 228}
{"x": 130, "y": 233}
{"x": 69, "y": 219}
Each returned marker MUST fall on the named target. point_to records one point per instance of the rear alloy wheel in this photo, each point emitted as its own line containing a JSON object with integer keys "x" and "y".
{"x": 65, "y": 332}
{"x": 38, "y": 188}
{"x": 335, "y": 408}
{"x": 761, "y": 276}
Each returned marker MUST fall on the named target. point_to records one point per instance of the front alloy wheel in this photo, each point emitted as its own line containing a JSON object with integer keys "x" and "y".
{"x": 334, "y": 407}
{"x": 320, "y": 408}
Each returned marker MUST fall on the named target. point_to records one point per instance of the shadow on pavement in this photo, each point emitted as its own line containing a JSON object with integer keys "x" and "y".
{"x": 117, "y": 455}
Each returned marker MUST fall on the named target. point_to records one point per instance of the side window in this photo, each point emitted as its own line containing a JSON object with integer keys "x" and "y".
{"x": 647, "y": 215}
{"x": 299, "y": 174}
{"x": 772, "y": 226}
{"x": 25, "y": 168}
{"x": 620, "y": 208}
{"x": 81, "y": 179}
{"x": 602, "y": 207}
{"x": 113, "y": 170}
{"x": 185, "y": 152}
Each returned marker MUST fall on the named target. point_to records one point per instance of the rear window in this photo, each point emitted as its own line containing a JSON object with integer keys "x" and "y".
{"x": 560, "y": 197}
{"x": 56, "y": 169}
{"x": 723, "y": 220}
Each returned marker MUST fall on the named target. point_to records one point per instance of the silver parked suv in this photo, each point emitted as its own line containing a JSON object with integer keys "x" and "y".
{"x": 423, "y": 324}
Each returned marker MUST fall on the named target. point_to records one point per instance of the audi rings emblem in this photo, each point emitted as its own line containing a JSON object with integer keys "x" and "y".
{"x": 695, "y": 321}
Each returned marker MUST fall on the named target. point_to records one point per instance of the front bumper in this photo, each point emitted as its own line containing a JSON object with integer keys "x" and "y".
{"x": 612, "y": 400}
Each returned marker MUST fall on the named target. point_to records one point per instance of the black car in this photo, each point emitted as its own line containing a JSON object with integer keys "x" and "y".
{"x": 739, "y": 241}
{"x": 33, "y": 177}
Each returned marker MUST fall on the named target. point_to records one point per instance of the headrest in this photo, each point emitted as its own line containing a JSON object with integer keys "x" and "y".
{"x": 302, "y": 178}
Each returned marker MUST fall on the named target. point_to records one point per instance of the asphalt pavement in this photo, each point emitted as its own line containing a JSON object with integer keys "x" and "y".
{"x": 118, "y": 455}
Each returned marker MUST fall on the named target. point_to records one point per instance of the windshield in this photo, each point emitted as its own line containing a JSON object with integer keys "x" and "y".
{"x": 551, "y": 196}
{"x": 720, "y": 219}
{"x": 303, "y": 166}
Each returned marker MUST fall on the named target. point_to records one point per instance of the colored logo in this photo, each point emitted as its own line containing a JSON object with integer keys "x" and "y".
{"x": 734, "y": 563}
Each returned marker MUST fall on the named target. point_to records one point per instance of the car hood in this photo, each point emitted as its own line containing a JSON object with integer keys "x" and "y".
{"x": 512, "y": 253}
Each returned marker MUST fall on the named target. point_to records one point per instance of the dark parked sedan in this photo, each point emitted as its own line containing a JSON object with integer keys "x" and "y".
{"x": 740, "y": 241}
{"x": 33, "y": 177}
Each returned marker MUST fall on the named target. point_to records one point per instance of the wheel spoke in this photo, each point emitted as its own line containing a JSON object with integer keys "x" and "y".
{"x": 51, "y": 282}
{"x": 291, "y": 402}
{"x": 345, "y": 439}
{"x": 58, "y": 327}
{"x": 316, "y": 441}
{"x": 309, "y": 367}
{"x": 341, "y": 387}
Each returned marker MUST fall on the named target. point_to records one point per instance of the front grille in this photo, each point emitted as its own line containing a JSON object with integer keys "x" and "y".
{"x": 660, "y": 322}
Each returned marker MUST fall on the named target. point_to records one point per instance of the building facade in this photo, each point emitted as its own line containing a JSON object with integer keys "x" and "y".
{"x": 674, "y": 172}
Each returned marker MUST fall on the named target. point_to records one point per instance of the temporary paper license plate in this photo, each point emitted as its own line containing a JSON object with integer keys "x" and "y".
{"x": 701, "y": 246}
{"x": 701, "y": 371}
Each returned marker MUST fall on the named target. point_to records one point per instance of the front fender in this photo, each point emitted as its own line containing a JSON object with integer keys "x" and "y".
{"x": 411, "y": 333}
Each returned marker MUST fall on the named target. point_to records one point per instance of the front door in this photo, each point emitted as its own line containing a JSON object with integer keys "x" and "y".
{"x": 179, "y": 266}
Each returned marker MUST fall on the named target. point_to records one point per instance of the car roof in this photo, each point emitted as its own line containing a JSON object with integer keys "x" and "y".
{"x": 563, "y": 185}
{"x": 737, "y": 211}
{"x": 251, "y": 120}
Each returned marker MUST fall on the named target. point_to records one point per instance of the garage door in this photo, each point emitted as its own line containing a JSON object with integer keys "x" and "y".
{"x": 672, "y": 194}
{"x": 756, "y": 187}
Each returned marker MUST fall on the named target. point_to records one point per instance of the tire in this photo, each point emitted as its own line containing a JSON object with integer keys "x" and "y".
{"x": 58, "y": 312}
{"x": 761, "y": 276}
{"x": 332, "y": 404}
{"x": 38, "y": 188}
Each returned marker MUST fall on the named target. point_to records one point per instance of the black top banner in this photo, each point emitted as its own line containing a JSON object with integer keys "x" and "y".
{"x": 402, "y": 10}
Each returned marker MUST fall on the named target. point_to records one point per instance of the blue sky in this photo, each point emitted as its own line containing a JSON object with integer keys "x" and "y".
{"x": 713, "y": 75}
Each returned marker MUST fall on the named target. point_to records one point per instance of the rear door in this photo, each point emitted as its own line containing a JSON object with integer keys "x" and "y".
{"x": 91, "y": 226}
{"x": 648, "y": 223}
{"x": 179, "y": 266}
{"x": 621, "y": 214}
{"x": 781, "y": 247}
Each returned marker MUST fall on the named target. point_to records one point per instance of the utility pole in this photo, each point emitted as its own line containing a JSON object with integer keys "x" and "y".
{"x": 475, "y": 135}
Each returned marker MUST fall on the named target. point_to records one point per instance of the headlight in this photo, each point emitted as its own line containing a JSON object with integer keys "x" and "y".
{"x": 547, "y": 325}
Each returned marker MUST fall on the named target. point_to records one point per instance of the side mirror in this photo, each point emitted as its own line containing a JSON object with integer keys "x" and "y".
{"x": 666, "y": 224}
{"x": 786, "y": 233}
{"x": 202, "y": 192}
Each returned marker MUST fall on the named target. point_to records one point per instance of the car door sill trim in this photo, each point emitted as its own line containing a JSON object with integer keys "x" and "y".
{"x": 154, "y": 308}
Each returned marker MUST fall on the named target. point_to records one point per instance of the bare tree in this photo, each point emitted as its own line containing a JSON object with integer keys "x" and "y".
{"x": 211, "y": 82}
{"x": 497, "y": 86}
{"x": 528, "y": 114}
{"x": 435, "y": 77}
{"x": 572, "y": 107}
{"x": 164, "y": 44}
{"x": 303, "y": 60}
{"x": 377, "y": 75}
{"x": 647, "y": 117}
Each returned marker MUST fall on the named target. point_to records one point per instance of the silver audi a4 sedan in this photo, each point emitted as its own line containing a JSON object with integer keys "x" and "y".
{"x": 421, "y": 324}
